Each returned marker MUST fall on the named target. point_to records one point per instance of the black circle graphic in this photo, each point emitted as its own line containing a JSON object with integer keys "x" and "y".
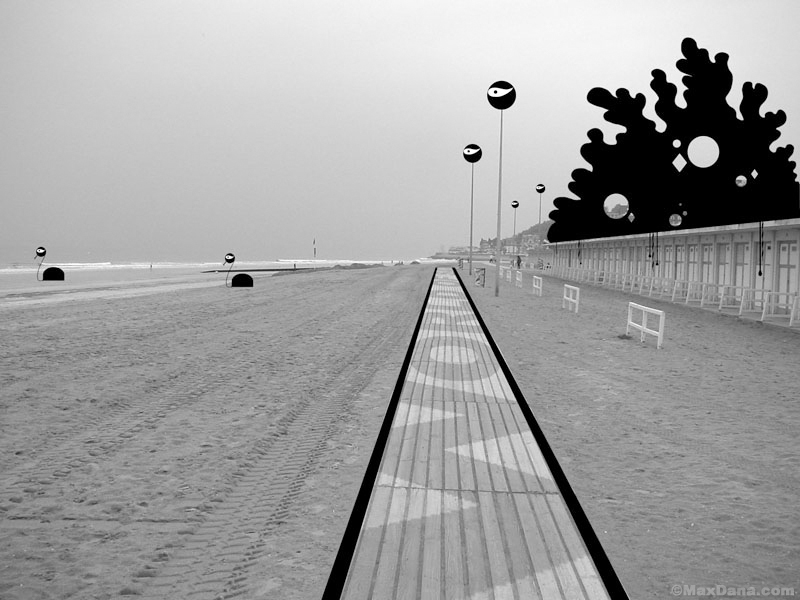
{"x": 40, "y": 252}
{"x": 472, "y": 153}
{"x": 540, "y": 188}
{"x": 514, "y": 204}
{"x": 501, "y": 95}
{"x": 229, "y": 257}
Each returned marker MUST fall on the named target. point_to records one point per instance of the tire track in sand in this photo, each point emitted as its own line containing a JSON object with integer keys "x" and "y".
{"x": 218, "y": 559}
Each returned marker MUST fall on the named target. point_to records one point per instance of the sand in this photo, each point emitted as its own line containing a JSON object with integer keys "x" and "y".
{"x": 204, "y": 442}
{"x": 686, "y": 458}
{"x": 194, "y": 442}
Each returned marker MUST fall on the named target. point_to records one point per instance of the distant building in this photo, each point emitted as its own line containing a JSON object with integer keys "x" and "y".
{"x": 461, "y": 249}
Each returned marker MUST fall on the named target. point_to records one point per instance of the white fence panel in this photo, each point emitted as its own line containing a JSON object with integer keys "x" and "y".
{"x": 753, "y": 301}
{"x": 572, "y": 298}
{"x": 778, "y": 304}
{"x": 642, "y": 327}
{"x": 731, "y": 296}
{"x": 537, "y": 286}
{"x": 519, "y": 279}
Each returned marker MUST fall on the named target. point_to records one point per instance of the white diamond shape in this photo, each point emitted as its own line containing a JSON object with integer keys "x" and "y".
{"x": 631, "y": 217}
{"x": 679, "y": 162}
{"x": 754, "y": 174}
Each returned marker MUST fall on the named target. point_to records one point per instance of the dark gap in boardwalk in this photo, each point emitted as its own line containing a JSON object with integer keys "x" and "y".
{"x": 595, "y": 549}
{"x": 344, "y": 556}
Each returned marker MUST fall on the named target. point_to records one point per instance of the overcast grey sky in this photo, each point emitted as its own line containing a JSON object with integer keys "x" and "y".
{"x": 182, "y": 130}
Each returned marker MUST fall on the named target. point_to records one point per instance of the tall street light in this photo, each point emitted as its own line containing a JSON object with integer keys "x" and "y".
{"x": 501, "y": 95}
{"x": 540, "y": 189}
{"x": 515, "y": 205}
{"x": 472, "y": 154}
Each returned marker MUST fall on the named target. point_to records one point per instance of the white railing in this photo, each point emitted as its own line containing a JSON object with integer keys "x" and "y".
{"x": 660, "y": 287}
{"x": 794, "y": 317}
{"x": 537, "y": 286}
{"x": 519, "y": 279}
{"x": 694, "y": 291}
{"x": 680, "y": 290}
{"x": 572, "y": 298}
{"x": 731, "y": 296}
{"x": 645, "y": 282}
{"x": 642, "y": 327}
{"x": 710, "y": 294}
{"x": 753, "y": 301}
{"x": 778, "y": 304}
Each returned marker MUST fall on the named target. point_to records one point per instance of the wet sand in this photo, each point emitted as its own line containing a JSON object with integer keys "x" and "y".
{"x": 205, "y": 442}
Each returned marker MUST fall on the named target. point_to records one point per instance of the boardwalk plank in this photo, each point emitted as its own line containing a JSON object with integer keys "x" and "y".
{"x": 542, "y": 565}
{"x": 483, "y": 479}
{"x": 477, "y": 561}
{"x": 559, "y": 554}
{"x": 363, "y": 564}
{"x": 411, "y": 553}
{"x": 595, "y": 590}
{"x": 432, "y": 547}
{"x": 495, "y": 548}
{"x": 386, "y": 575}
{"x": 451, "y": 478}
{"x": 521, "y": 565}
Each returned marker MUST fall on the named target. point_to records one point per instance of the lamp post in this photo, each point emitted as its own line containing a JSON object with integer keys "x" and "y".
{"x": 472, "y": 154}
{"x": 501, "y": 95}
{"x": 515, "y": 205}
{"x": 540, "y": 189}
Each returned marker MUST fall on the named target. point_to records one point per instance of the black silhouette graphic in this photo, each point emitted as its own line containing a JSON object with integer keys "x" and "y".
{"x": 242, "y": 280}
{"x": 51, "y": 273}
{"x": 540, "y": 190}
{"x": 707, "y": 168}
{"x": 473, "y": 153}
{"x": 229, "y": 259}
{"x": 501, "y": 95}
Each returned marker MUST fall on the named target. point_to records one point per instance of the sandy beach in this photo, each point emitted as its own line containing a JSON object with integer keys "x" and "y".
{"x": 202, "y": 442}
{"x": 686, "y": 458}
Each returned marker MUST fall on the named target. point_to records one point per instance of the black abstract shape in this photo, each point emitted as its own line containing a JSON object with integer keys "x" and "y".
{"x": 501, "y": 95}
{"x": 242, "y": 280}
{"x": 40, "y": 253}
{"x": 53, "y": 274}
{"x": 655, "y": 172}
{"x": 472, "y": 153}
{"x": 230, "y": 258}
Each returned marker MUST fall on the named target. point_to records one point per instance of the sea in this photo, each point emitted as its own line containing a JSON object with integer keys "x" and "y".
{"x": 24, "y": 278}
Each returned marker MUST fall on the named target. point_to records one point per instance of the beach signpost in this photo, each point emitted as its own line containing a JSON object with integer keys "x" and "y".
{"x": 515, "y": 206}
{"x": 240, "y": 279}
{"x": 50, "y": 274}
{"x": 230, "y": 258}
{"x": 501, "y": 95}
{"x": 472, "y": 154}
{"x": 540, "y": 188}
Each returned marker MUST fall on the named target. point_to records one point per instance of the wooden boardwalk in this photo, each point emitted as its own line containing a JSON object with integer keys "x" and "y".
{"x": 464, "y": 504}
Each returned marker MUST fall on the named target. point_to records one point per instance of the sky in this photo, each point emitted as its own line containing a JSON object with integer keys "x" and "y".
{"x": 182, "y": 130}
